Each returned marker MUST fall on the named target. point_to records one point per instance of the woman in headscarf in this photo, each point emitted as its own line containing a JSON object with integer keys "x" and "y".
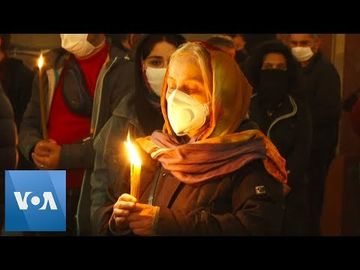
{"x": 212, "y": 181}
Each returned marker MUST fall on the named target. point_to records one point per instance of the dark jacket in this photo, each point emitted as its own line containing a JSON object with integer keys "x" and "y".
{"x": 114, "y": 82}
{"x": 289, "y": 128}
{"x": 110, "y": 175}
{"x": 231, "y": 205}
{"x": 8, "y": 152}
{"x": 8, "y": 141}
{"x": 16, "y": 79}
{"x": 320, "y": 85}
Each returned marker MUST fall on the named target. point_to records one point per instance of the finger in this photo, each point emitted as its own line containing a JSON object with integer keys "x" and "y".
{"x": 125, "y": 205}
{"x": 134, "y": 216}
{"x": 127, "y": 197}
{"x": 140, "y": 206}
{"x": 42, "y": 146}
{"x": 52, "y": 147}
{"x": 39, "y": 165}
{"x": 52, "y": 141}
{"x": 119, "y": 220}
{"x": 40, "y": 159}
{"x": 121, "y": 213}
{"x": 40, "y": 150}
{"x": 135, "y": 225}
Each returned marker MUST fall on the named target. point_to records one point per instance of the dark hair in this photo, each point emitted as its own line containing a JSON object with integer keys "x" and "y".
{"x": 253, "y": 41}
{"x": 5, "y": 41}
{"x": 150, "y": 41}
{"x": 221, "y": 41}
{"x": 117, "y": 40}
{"x": 256, "y": 60}
{"x": 148, "y": 115}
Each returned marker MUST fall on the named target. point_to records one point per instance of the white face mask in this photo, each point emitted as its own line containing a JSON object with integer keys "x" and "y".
{"x": 302, "y": 54}
{"x": 185, "y": 113}
{"x": 155, "y": 77}
{"x": 77, "y": 44}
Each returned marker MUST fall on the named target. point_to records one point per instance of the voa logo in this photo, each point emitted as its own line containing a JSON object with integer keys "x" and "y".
{"x": 48, "y": 200}
{"x": 35, "y": 200}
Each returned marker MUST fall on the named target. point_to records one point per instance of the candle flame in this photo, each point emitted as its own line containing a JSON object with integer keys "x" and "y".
{"x": 40, "y": 61}
{"x": 132, "y": 152}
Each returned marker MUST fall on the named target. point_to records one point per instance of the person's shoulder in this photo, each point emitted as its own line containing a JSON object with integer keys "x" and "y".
{"x": 54, "y": 58}
{"x": 5, "y": 106}
{"x": 123, "y": 56}
{"x": 254, "y": 180}
{"x": 325, "y": 66}
{"x": 254, "y": 168}
{"x": 19, "y": 68}
{"x": 126, "y": 108}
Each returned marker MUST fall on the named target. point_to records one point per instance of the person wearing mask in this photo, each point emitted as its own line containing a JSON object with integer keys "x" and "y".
{"x": 286, "y": 120}
{"x": 138, "y": 114}
{"x": 252, "y": 43}
{"x": 8, "y": 144}
{"x": 83, "y": 82}
{"x": 210, "y": 180}
{"x": 321, "y": 89}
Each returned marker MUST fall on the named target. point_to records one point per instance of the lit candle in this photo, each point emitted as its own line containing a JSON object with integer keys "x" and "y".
{"x": 40, "y": 63}
{"x": 135, "y": 167}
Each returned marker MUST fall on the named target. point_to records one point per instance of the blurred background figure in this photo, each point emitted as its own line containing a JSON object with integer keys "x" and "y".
{"x": 240, "y": 50}
{"x": 352, "y": 105}
{"x": 125, "y": 42}
{"x": 16, "y": 79}
{"x": 8, "y": 143}
{"x": 224, "y": 43}
{"x": 320, "y": 87}
{"x": 286, "y": 120}
{"x": 252, "y": 42}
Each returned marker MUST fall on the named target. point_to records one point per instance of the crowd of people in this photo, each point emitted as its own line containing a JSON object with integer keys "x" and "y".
{"x": 236, "y": 134}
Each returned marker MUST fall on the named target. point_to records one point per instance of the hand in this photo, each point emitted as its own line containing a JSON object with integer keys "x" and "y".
{"x": 121, "y": 211}
{"x": 142, "y": 218}
{"x": 46, "y": 154}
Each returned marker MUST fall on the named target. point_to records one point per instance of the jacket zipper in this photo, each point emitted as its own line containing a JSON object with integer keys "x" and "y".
{"x": 154, "y": 186}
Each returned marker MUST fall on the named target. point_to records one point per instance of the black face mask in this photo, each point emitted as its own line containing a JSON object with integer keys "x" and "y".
{"x": 76, "y": 95}
{"x": 273, "y": 87}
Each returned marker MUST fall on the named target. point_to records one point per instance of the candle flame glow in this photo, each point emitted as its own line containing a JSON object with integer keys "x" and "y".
{"x": 132, "y": 152}
{"x": 40, "y": 61}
